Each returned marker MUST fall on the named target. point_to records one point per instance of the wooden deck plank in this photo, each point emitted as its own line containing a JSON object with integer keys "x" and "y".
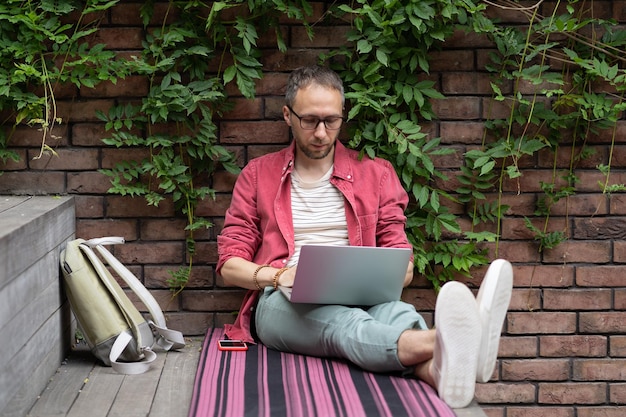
{"x": 173, "y": 396}
{"x": 137, "y": 392}
{"x": 64, "y": 387}
{"x": 98, "y": 394}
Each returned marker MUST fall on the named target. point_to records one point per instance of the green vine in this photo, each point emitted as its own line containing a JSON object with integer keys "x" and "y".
{"x": 39, "y": 52}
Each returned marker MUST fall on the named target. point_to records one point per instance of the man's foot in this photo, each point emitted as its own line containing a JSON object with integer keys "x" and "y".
{"x": 458, "y": 334}
{"x": 493, "y": 301}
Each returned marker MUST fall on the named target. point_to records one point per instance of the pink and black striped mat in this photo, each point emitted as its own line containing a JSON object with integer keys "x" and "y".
{"x": 263, "y": 382}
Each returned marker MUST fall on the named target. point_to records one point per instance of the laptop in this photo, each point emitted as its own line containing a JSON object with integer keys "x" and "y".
{"x": 348, "y": 275}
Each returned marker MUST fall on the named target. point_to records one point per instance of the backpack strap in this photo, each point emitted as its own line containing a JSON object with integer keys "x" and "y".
{"x": 129, "y": 368}
{"x": 167, "y": 338}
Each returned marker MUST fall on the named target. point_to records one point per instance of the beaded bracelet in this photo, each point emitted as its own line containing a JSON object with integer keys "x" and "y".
{"x": 277, "y": 275}
{"x": 254, "y": 278}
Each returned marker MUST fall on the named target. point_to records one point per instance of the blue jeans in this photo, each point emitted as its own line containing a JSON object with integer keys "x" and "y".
{"x": 365, "y": 337}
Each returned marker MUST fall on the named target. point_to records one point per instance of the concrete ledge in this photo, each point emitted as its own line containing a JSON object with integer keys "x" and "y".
{"x": 34, "y": 314}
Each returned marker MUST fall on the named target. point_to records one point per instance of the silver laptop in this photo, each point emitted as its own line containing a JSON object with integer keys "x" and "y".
{"x": 348, "y": 275}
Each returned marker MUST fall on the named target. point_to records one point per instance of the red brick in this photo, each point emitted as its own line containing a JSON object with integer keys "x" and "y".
{"x": 465, "y": 39}
{"x": 580, "y": 251}
{"x": 493, "y": 411}
{"x": 599, "y": 228}
{"x": 191, "y": 323}
{"x": 564, "y": 157}
{"x": 212, "y": 300}
{"x": 602, "y": 322}
{"x": 325, "y": 37}
{"x": 617, "y": 393}
{"x": 112, "y": 157}
{"x": 83, "y": 110}
{"x": 457, "y": 108}
{"x": 518, "y": 347}
{"x": 619, "y": 252}
{"x": 35, "y": 183}
{"x": 157, "y": 276}
{"x": 582, "y": 204}
{"x": 526, "y": 299}
{"x": 599, "y": 370}
{"x": 89, "y": 229}
{"x": 572, "y": 393}
{"x": 88, "y": 182}
{"x": 423, "y": 299}
{"x": 163, "y": 229}
{"x": 607, "y": 411}
{"x": 517, "y": 393}
{"x": 244, "y": 109}
{"x": 150, "y": 253}
{"x": 206, "y": 252}
{"x": 535, "y": 370}
{"x": 599, "y": 276}
{"x": 541, "y": 322}
{"x": 558, "y": 276}
{"x": 20, "y": 164}
{"x": 273, "y": 110}
{"x": 619, "y": 156}
{"x": 32, "y": 136}
{"x": 575, "y": 299}
{"x": 493, "y": 109}
{"x": 617, "y": 346}
{"x": 465, "y": 83}
{"x": 65, "y": 160}
{"x": 88, "y": 134}
{"x": 210, "y": 207}
{"x": 540, "y": 411}
{"x": 515, "y": 228}
{"x": 516, "y": 251}
{"x": 617, "y": 204}
{"x": 254, "y": 132}
{"x": 451, "y": 60}
{"x": 273, "y": 60}
{"x": 224, "y": 181}
{"x": 522, "y": 205}
{"x": 272, "y": 84}
{"x": 568, "y": 346}
{"x": 89, "y": 206}
{"x": 126, "y": 206}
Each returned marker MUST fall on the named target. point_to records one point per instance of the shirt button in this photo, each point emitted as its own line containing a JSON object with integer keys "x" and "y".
{"x": 284, "y": 261}
{"x": 349, "y": 176}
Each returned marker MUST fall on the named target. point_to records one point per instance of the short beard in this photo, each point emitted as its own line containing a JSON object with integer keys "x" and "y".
{"x": 311, "y": 155}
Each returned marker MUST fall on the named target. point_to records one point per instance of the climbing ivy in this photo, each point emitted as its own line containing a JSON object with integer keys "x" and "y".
{"x": 201, "y": 48}
{"x": 39, "y": 52}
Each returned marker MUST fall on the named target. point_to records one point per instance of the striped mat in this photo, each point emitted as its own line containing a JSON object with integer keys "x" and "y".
{"x": 264, "y": 382}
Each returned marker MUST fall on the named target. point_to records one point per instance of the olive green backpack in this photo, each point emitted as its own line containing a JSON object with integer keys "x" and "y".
{"x": 112, "y": 326}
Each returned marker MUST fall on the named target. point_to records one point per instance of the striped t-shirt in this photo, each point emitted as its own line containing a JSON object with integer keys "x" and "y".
{"x": 319, "y": 216}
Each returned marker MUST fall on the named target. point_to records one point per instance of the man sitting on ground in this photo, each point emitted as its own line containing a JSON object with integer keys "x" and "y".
{"x": 316, "y": 191}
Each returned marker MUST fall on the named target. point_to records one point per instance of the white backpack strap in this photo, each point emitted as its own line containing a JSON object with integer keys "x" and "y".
{"x": 129, "y": 368}
{"x": 173, "y": 338}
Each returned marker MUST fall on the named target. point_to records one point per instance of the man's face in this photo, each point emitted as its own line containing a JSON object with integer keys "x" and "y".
{"x": 321, "y": 103}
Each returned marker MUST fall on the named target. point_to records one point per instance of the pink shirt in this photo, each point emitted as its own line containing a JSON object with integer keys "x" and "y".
{"x": 258, "y": 225}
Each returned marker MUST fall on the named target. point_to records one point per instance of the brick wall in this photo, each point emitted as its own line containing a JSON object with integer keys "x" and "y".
{"x": 564, "y": 350}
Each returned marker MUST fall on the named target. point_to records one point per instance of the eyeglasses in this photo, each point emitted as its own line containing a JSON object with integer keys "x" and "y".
{"x": 312, "y": 122}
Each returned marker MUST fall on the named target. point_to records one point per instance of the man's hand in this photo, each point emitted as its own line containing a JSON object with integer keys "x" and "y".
{"x": 287, "y": 278}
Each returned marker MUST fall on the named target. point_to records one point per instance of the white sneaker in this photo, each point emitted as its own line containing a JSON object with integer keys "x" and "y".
{"x": 493, "y": 301}
{"x": 456, "y": 345}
